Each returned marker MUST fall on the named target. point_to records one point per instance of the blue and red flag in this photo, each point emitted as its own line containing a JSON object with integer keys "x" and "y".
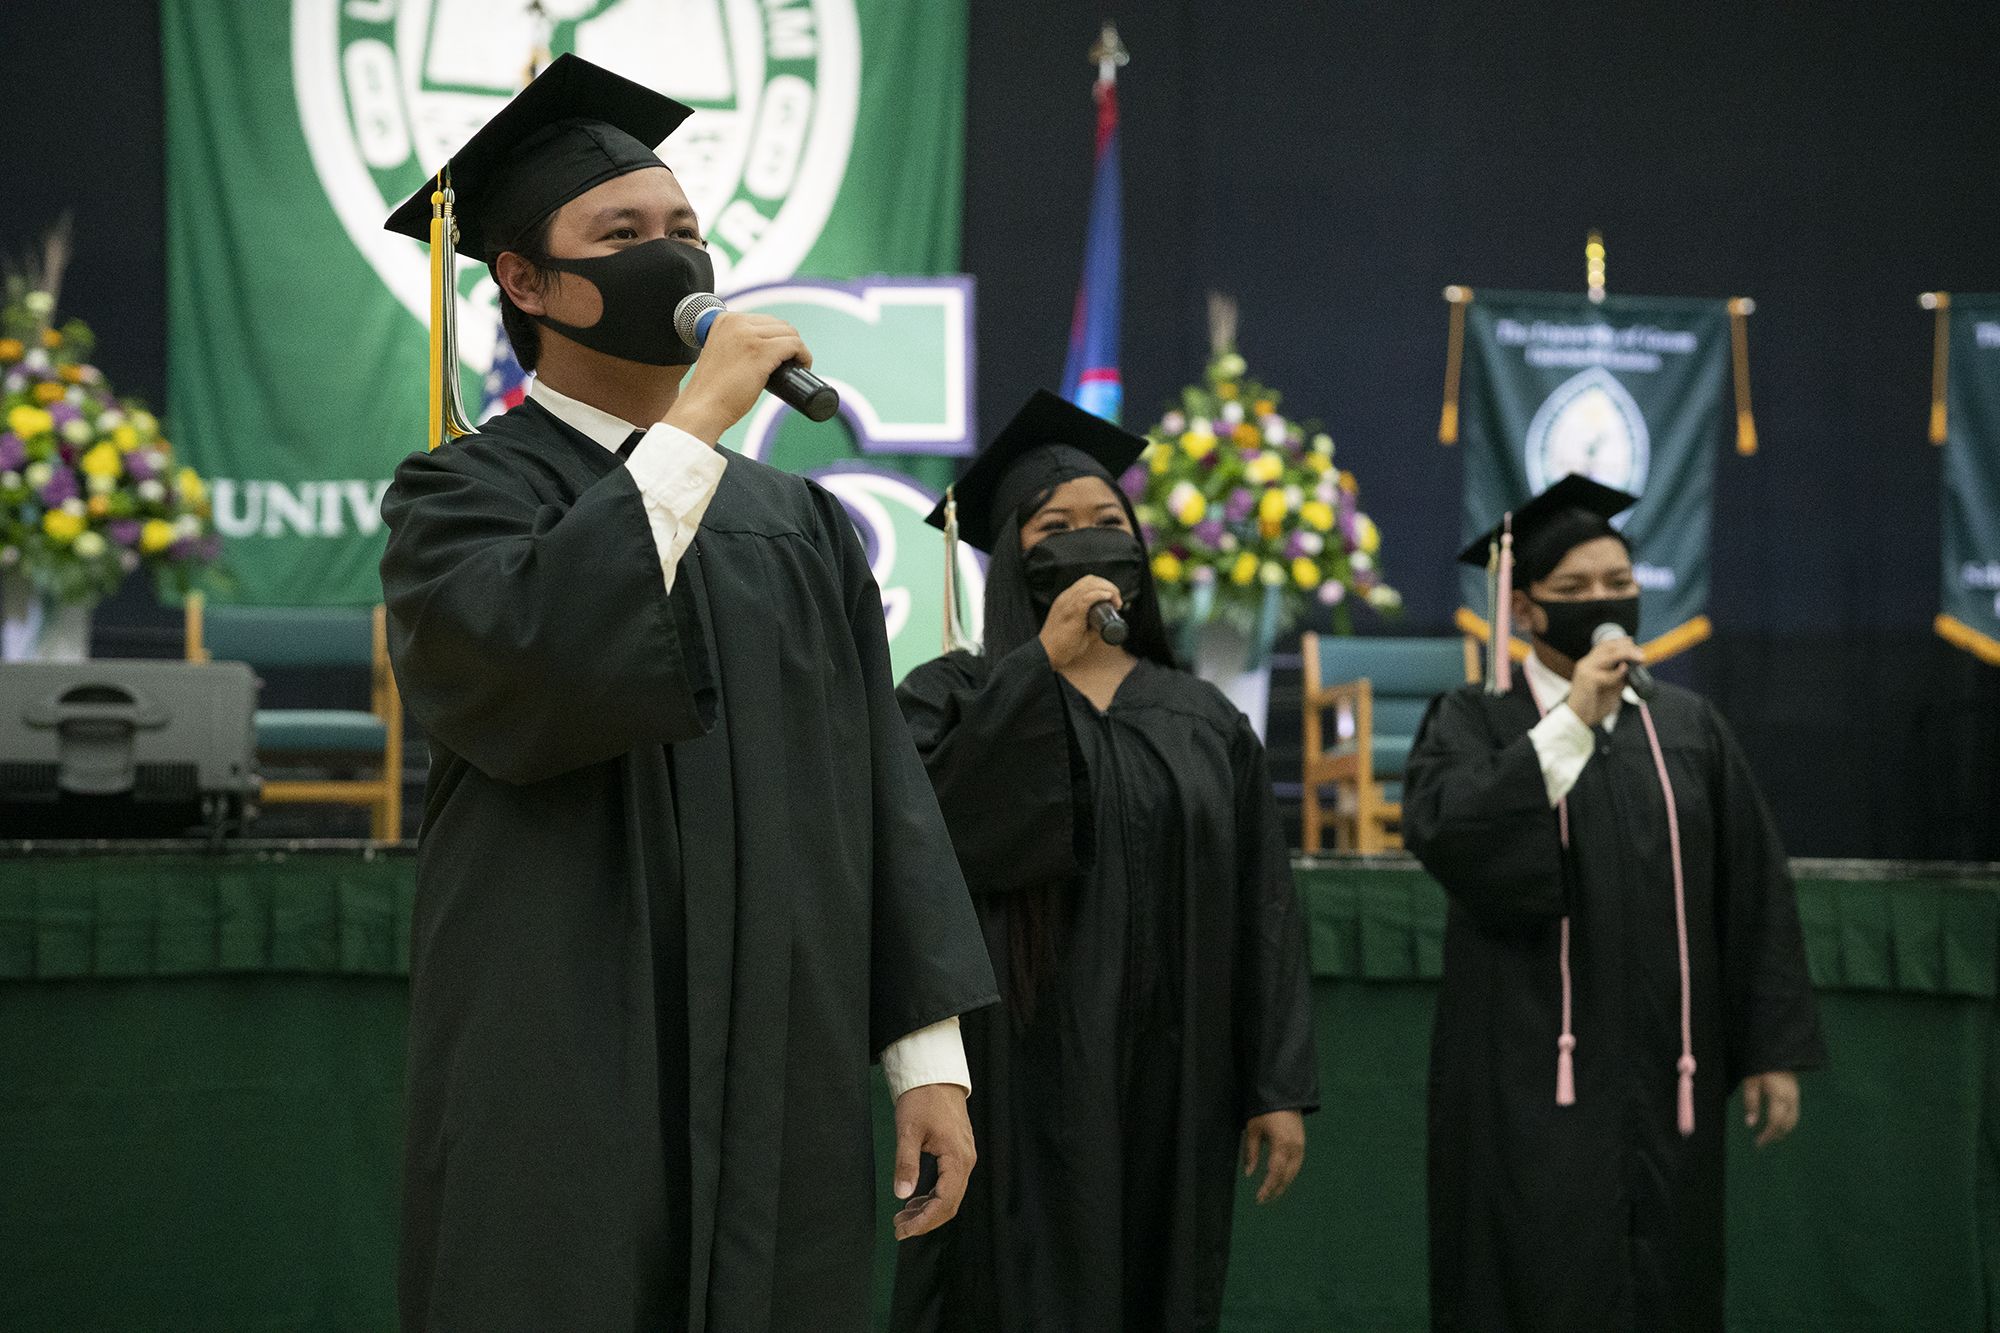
{"x": 506, "y": 385}
{"x": 1091, "y": 378}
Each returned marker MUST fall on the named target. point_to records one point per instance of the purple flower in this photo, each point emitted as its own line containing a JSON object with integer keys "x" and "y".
{"x": 63, "y": 413}
{"x": 1134, "y": 481}
{"x": 1209, "y": 533}
{"x": 1295, "y": 546}
{"x": 124, "y": 532}
{"x": 13, "y": 453}
{"x": 183, "y": 548}
{"x": 1241, "y": 504}
{"x": 139, "y": 465}
{"x": 61, "y": 486}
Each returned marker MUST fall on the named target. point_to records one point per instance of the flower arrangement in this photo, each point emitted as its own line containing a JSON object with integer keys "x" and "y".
{"x": 89, "y": 489}
{"x": 1245, "y": 511}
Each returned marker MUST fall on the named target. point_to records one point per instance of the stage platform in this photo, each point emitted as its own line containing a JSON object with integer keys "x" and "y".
{"x": 201, "y": 1074}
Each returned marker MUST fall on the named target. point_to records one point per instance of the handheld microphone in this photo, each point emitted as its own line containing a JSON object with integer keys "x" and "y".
{"x": 790, "y": 383}
{"x": 1110, "y": 626}
{"x": 1640, "y": 679}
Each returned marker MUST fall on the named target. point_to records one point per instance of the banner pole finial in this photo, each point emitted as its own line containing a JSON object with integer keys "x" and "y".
{"x": 1108, "y": 53}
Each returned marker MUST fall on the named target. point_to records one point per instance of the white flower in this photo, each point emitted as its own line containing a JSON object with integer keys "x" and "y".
{"x": 111, "y": 420}
{"x": 38, "y": 474}
{"x": 1232, "y": 412}
{"x": 1273, "y": 574}
{"x": 76, "y": 396}
{"x": 1275, "y": 429}
{"x": 1384, "y": 598}
{"x": 187, "y": 526}
{"x": 1328, "y": 490}
{"x": 1323, "y": 444}
{"x": 16, "y": 381}
{"x": 9, "y": 480}
{"x": 128, "y": 561}
{"x": 145, "y": 422}
{"x": 77, "y": 431}
{"x": 1360, "y": 562}
{"x": 1228, "y": 542}
{"x": 1311, "y": 542}
{"x": 36, "y": 360}
{"x": 101, "y": 485}
{"x": 151, "y": 491}
{"x": 1332, "y": 591}
{"x": 1179, "y": 496}
{"x": 10, "y": 556}
{"x": 88, "y": 545}
{"x": 1294, "y": 497}
{"x": 74, "y": 506}
{"x": 1173, "y": 423}
{"x": 39, "y": 303}
{"x": 1202, "y": 426}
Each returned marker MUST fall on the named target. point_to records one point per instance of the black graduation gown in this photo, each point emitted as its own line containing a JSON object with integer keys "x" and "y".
{"x": 1110, "y": 1122}
{"x": 714, "y": 789}
{"x": 1597, "y": 1216}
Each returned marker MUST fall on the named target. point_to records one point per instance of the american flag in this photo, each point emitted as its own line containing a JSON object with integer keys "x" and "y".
{"x": 506, "y": 383}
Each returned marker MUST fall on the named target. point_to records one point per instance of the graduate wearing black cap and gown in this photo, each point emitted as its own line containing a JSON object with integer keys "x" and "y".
{"x": 1137, "y": 898}
{"x": 1585, "y": 1045}
{"x": 681, "y": 874}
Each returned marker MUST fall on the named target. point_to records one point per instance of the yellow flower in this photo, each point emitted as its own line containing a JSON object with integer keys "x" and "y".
{"x": 101, "y": 461}
{"x": 1244, "y": 572}
{"x": 1192, "y": 508}
{"x": 1367, "y": 536}
{"x": 1270, "y": 528}
{"x": 1348, "y": 483}
{"x": 1272, "y": 507}
{"x": 1225, "y": 390}
{"x": 1246, "y": 434}
{"x": 70, "y": 374}
{"x": 1265, "y": 468}
{"x": 1318, "y": 515}
{"x": 52, "y": 338}
{"x": 126, "y": 438}
{"x": 1318, "y": 462}
{"x": 11, "y": 349}
{"x": 1305, "y": 573}
{"x": 48, "y": 391}
{"x": 1167, "y": 567}
{"x": 191, "y": 487}
{"x": 156, "y": 535}
{"x": 1264, "y": 407}
{"x": 1160, "y": 458}
{"x": 28, "y": 422}
{"x": 1198, "y": 444}
{"x": 61, "y": 525}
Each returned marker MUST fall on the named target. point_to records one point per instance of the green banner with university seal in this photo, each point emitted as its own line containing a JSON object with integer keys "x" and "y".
{"x": 827, "y": 144}
{"x": 1630, "y": 392}
{"x": 1969, "y": 356}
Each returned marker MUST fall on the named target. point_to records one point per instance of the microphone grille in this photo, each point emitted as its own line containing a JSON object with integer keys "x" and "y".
{"x": 687, "y": 315}
{"x": 1607, "y": 630}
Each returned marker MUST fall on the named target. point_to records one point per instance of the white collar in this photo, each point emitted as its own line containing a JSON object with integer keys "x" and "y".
{"x": 1551, "y": 689}
{"x": 594, "y": 422}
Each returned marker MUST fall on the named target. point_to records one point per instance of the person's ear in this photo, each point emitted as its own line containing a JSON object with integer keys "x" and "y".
{"x": 522, "y": 282}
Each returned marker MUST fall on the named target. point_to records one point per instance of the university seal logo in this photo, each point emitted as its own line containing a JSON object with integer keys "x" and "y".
{"x": 388, "y": 89}
{"x": 1589, "y": 426}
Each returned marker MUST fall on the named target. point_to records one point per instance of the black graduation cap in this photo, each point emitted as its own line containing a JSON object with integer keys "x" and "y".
{"x": 1563, "y": 517}
{"x": 575, "y": 127}
{"x": 1048, "y": 442}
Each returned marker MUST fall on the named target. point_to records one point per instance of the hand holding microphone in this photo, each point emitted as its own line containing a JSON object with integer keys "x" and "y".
{"x": 775, "y": 348}
{"x": 1601, "y": 676}
{"x": 1078, "y": 618}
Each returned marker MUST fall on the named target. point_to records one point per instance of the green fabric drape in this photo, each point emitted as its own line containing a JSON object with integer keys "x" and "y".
{"x": 200, "y": 1115}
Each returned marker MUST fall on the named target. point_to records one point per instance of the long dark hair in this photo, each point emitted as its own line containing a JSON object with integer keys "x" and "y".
{"x": 1035, "y": 915}
{"x": 1011, "y": 617}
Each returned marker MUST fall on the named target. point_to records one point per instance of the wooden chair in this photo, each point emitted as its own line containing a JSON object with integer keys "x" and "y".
{"x": 1378, "y": 690}
{"x": 268, "y": 636}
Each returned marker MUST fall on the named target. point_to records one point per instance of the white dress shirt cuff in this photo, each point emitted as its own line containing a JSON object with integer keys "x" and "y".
{"x": 1563, "y": 743}
{"x": 934, "y": 1054}
{"x": 677, "y": 475}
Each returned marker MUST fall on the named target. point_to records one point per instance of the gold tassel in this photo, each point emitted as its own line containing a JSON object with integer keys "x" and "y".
{"x": 1740, "y": 307}
{"x": 1940, "y": 360}
{"x": 447, "y": 410}
{"x": 1454, "y": 362}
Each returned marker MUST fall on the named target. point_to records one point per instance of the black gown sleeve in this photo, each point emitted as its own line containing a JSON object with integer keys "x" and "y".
{"x": 535, "y": 640}
{"x": 995, "y": 738}
{"x": 928, "y": 959}
{"x": 1278, "y": 1066}
{"x": 1477, "y": 814}
{"x": 1773, "y": 1018}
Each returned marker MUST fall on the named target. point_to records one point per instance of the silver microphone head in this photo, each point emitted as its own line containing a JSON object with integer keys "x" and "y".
{"x": 1607, "y": 631}
{"x": 689, "y": 312}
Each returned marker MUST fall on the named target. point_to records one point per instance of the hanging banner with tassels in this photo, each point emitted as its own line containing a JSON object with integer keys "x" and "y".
{"x": 1629, "y": 391}
{"x": 1965, "y": 419}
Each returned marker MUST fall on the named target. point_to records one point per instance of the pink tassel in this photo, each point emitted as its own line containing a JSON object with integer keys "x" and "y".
{"x": 1503, "y": 611}
{"x": 1687, "y": 1095}
{"x": 1686, "y": 1063}
{"x": 1566, "y": 1071}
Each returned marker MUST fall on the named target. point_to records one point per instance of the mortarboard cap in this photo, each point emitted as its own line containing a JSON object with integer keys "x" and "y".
{"x": 1547, "y": 528}
{"x": 575, "y": 127}
{"x": 1048, "y": 442}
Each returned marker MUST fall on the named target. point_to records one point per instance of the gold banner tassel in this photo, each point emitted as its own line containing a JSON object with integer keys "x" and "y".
{"x": 1454, "y": 362}
{"x": 1740, "y": 309}
{"x": 1940, "y": 360}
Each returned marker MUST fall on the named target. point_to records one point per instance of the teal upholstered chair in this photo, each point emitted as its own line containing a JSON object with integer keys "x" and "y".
{"x": 321, "y": 636}
{"x": 1376, "y": 691}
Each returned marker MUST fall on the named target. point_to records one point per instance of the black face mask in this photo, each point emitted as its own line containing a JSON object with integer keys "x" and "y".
{"x": 1062, "y": 558}
{"x": 1572, "y": 623}
{"x": 641, "y": 285}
